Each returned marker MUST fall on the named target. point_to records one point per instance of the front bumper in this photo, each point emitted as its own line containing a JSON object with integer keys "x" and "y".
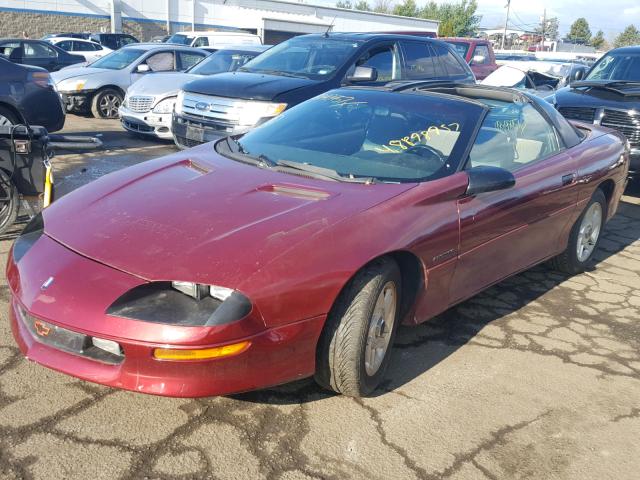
{"x": 148, "y": 123}
{"x": 75, "y": 301}
{"x": 189, "y": 131}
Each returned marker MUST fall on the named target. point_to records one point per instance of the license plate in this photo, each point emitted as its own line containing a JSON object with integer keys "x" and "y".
{"x": 195, "y": 133}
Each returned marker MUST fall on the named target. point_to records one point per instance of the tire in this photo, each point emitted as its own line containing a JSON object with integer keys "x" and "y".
{"x": 571, "y": 261}
{"x": 105, "y": 103}
{"x": 7, "y": 117}
{"x": 344, "y": 363}
{"x": 9, "y": 202}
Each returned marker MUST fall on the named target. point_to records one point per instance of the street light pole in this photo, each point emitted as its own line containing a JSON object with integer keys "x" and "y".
{"x": 506, "y": 21}
{"x": 544, "y": 27}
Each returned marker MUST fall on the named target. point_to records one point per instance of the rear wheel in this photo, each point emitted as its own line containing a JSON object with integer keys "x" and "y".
{"x": 105, "y": 103}
{"x": 584, "y": 237}
{"x": 353, "y": 351}
{"x": 8, "y": 202}
{"x": 7, "y": 117}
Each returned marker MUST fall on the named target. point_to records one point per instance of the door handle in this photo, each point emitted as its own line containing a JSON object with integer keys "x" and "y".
{"x": 568, "y": 179}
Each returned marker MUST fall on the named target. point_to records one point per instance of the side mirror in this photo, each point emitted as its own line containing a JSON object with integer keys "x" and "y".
{"x": 143, "y": 68}
{"x": 478, "y": 59}
{"x": 363, "y": 74}
{"x": 577, "y": 75}
{"x": 488, "y": 179}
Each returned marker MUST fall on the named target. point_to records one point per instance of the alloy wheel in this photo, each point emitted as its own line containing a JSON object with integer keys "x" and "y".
{"x": 380, "y": 328}
{"x": 109, "y": 105}
{"x": 589, "y": 232}
{"x": 4, "y": 121}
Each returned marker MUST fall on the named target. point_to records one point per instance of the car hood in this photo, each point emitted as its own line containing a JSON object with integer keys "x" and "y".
{"x": 250, "y": 86}
{"x": 161, "y": 84}
{"x": 595, "y": 97}
{"x": 197, "y": 216}
{"x": 67, "y": 73}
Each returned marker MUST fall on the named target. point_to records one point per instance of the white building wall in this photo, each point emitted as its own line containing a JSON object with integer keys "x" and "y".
{"x": 230, "y": 13}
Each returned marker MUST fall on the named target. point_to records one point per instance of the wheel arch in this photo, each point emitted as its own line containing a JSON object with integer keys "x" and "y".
{"x": 110, "y": 87}
{"x": 608, "y": 186}
{"x": 13, "y": 110}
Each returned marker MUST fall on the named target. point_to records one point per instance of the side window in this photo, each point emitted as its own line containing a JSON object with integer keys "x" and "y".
{"x": 82, "y": 47}
{"x": 161, "y": 62}
{"x": 201, "y": 42}
{"x": 188, "y": 60}
{"x": 126, "y": 40}
{"x": 385, "y": 60}
{"x": 448, "y": 62}
{"x": 418, "y": 61}
{"x": 10, "y": 48}
{"x": 38, "y": 50}
{"x": 66, "y": 45}
{"x": 480, "y": 51}
{"x": 513, "y": 136}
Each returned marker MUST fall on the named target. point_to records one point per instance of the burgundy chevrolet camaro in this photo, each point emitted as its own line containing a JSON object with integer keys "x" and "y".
{"x": 297, "y": 249}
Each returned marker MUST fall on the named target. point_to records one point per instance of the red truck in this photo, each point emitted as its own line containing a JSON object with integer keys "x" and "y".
{"x": 477, "y": 52}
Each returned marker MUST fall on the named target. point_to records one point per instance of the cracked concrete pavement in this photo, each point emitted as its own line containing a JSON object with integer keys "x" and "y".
{"x": 538, "y": 377}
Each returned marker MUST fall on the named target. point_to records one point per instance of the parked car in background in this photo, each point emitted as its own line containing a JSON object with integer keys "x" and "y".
{"x": 297, "y": 249}
{"x": 214, "y": 39}
{"x": 114, "y": 41}
{"x": 501, "y": 58}
{"x": 301, "y": 68}
{"x": 101, "y": 86}
{"x": 477, "y": 52}
{"x": 148, "y": 106}
{"x": 609, "y": 95}
{"x": 27, "y": 95}
{"x": 89, "y": 50}
{"x": 83, "y": 36}
{"x": 37, "y": 53}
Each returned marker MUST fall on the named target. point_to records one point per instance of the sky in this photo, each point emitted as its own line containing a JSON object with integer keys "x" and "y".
{"x": 610, "y": 16}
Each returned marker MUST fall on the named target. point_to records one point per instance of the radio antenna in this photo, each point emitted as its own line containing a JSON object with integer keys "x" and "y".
{"x": 326, "y": 34}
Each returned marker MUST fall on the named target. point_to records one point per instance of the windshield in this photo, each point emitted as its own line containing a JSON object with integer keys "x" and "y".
{"x": 119, "y": 59}
{"x": 309, "y": 57}
{"x": 222, "y": 61}
{"x": 461, "y": 48}
{"x": 618, "y": 67}
{"x": 181, "y": 39}
{"x": 386, "y": 136}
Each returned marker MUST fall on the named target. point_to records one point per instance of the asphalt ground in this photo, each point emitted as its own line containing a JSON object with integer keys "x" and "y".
{"x": 538, "y": 377}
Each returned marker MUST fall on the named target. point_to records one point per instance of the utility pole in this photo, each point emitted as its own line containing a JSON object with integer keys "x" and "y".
{"x": 506, "y": 22}
{"x": 544, "y": 27}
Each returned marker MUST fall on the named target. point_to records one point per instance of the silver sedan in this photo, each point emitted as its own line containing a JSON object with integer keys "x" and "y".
{"x": 101, "y": 86}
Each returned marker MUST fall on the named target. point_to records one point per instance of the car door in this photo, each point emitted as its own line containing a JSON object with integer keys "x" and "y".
{"x": 510, "y": 230}
{"x": 40, "y": 55}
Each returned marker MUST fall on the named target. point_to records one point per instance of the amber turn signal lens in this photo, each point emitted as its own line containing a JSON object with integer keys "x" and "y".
{"x": 202, "y": 353}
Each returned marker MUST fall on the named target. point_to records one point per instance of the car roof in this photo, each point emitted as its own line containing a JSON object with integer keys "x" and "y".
{"x": 631, "y": 49}
{"x": 217, "y": 32}
{"x": 161, "y": 46}
{"x": 463, "y": 40}
{"x": 362, "y": 36}
{"x": 245, "y": 48}
{"x": 62, "y": 39}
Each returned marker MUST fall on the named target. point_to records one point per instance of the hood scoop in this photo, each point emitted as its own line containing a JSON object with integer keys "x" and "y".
{"x": 295, "y": 191}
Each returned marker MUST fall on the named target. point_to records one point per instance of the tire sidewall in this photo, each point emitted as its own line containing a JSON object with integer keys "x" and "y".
{"x": 9, "y": 115}
{"x": 371, "y": 382}
{"x": 577, "y": 265}
{"x": 9, "y": 217}
{"x": 95, "y": 102}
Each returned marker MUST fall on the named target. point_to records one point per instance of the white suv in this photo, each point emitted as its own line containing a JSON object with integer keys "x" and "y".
{"x": 214, "y": 39}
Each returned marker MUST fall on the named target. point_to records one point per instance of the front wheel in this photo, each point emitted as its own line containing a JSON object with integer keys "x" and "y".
{"x": 353, "y": 351}
{"x": 584, "y": 238}
{"x": 105, "y": 103}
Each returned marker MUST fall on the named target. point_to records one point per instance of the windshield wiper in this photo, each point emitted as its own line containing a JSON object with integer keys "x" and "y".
{"x": 607, "y": 84}
{"x": 323, "y": 172}
{"x": 273, "y": 72}
{"x": 237, "y": 152}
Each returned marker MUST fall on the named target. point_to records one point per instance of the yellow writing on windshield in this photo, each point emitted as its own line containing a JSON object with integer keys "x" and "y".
{"x": 414, "y": 138}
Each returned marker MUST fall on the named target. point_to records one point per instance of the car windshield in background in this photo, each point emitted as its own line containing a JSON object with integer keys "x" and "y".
{"x": 119, "y": 59}
{"x": 366, "y": 134}
{"x": 181, "y": 39}
{"x": 461, "y": 48}
{"x": 315, "y": 57}
{"x": 617, "y": 67}
{"x": 222, "y": 61}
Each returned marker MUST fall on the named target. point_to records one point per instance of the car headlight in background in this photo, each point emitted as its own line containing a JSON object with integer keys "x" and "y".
{"x": 165, "y": 106}
{"x": 179, "y": 101}
{"x": 251, "y": 113}
{"x": 182, "y": 303}
{"x": 72, "y": 85}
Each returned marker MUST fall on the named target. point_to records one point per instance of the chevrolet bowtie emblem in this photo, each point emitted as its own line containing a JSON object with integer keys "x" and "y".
{"x": 41, "y": 328}
{"x": 47, "y": 283}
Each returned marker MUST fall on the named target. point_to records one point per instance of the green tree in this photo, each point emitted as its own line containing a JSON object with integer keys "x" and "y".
{"x": 579, "y": 31}
{"x": 344, "y": 4}
{"x": 630, "y": 36}
{"x": 550, "y": 28}
{"x": 598, "y": 40}
{"x": 382, "y": 6}
{"x": 407, "y": 8}
{"x": 456, "y": 19}
{"x": 362, "y": 5}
